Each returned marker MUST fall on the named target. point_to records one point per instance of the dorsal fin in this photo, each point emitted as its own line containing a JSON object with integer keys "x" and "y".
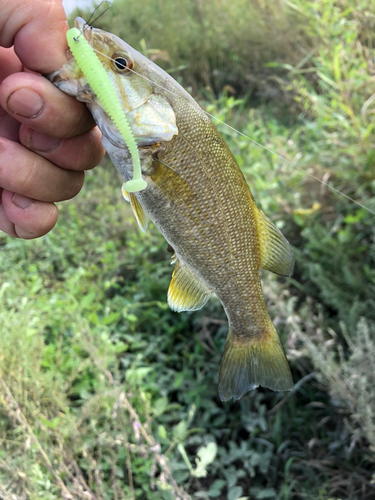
{"x": 276, "y": 253}
{"x": 186, "y": 291}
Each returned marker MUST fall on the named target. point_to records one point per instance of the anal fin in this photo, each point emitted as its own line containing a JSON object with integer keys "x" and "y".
{"x": 187, "y": 292}
{"x": 276, "y": 253}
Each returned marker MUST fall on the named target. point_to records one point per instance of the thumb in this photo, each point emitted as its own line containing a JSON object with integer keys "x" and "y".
{"x": 37, "y": 29}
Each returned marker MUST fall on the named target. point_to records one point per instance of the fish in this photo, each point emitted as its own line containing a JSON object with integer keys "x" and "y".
{"x": 198, "y": 198}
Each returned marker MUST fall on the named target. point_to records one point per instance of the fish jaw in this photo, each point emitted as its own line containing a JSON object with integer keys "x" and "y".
{"x": 83, "y": 27}
{"x": 149, "y": 113}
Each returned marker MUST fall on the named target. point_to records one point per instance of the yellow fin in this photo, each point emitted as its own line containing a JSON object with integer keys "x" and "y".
{"x": 186, "y": 291}
{"x": 276, "y": 253}
{"x": 125, "y": 194}
{"x": 138, "y": 212}
{"x": 249, "y": 363}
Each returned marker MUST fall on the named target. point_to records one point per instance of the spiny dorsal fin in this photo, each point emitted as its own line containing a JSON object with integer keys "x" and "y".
{"x": 186, "y": 291}
{"x": 276, "y": 253}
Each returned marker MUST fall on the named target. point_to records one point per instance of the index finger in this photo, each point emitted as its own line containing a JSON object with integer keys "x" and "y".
{"x": 37, "y": 29}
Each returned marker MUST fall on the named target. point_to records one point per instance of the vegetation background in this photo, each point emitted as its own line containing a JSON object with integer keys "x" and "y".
{"x": 107, "y": 394}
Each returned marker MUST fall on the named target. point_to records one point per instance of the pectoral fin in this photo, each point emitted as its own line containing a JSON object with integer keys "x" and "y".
{"x": 187, "y": 292}
{"x": 137, "y": 209}
{"x": 125, "y": 194}
{"x": 276, "y": 254}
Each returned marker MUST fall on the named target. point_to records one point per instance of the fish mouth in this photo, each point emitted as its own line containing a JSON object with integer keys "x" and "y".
{"x": 65, "y": 77}
{"x": 84, "y": 28}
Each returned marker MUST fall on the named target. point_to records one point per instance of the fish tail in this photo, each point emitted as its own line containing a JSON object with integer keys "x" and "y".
{"x": 250, "y": 362}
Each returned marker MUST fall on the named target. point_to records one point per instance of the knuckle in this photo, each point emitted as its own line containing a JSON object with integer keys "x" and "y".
{"x": 27, "y": 177}
{"x": 72, "y": 123}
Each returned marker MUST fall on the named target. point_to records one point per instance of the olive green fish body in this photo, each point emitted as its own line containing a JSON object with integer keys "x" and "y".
{"x": 200, "y": 201}
{"x": 198, "y": 198}
{"x": 203, "y": 206}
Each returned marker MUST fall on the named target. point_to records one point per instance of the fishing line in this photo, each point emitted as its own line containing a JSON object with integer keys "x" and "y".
{"x": 332, "y": 188}
{"x": 89, "y": 23}
{"x": 290, "y": 163}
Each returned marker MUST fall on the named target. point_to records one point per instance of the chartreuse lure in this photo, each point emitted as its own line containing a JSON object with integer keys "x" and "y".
{"x": 100, "y": 83}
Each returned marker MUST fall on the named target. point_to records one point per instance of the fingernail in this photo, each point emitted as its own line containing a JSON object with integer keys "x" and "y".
{"x": 25, "y": 102}
{"x": 21, "y": 201}
{"x": 42, "y": 142}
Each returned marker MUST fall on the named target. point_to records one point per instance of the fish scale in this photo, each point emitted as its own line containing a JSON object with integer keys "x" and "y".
{"x": 198, "y": 198}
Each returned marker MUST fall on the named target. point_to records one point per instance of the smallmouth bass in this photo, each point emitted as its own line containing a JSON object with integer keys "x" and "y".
{"x": 198, "y": 198}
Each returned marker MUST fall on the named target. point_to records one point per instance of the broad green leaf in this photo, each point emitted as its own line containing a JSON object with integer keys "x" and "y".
{"x": 205, "y": 456}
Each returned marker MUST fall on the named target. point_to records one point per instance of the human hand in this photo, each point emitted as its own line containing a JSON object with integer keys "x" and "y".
{"x": 47, "y": 138}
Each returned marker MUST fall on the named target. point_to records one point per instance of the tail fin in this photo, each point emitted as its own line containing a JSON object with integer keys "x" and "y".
{"x": 248, "y": 363}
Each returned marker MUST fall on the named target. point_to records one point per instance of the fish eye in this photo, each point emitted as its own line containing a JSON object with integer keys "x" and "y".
{"x": 122, "y": 63}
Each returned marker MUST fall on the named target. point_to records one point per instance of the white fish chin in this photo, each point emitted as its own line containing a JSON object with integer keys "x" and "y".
{"x": 152, "y": 122}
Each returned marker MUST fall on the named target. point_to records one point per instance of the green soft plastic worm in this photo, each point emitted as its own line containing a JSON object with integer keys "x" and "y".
{"x": 100, "y": 83}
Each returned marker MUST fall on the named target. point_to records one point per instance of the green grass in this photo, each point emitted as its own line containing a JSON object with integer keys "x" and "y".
{"x": 106, "y": 393}
{"x": 209, "y": 43}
